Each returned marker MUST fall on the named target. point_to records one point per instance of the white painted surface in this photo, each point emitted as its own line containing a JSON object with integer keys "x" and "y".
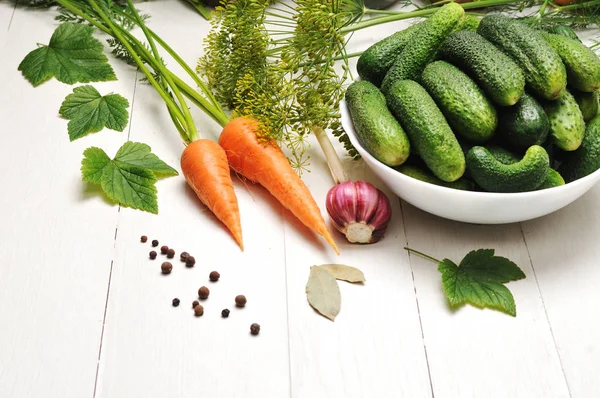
{"x": 85, "y": 313}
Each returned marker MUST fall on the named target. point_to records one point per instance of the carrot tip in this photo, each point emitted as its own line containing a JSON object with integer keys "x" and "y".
{"x": 330, "y": 240}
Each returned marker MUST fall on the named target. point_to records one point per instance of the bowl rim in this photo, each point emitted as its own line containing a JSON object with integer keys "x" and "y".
{"x": 348, "y": 127}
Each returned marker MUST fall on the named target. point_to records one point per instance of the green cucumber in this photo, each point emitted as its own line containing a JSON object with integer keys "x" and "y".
{"x": 426, "y": 176}
{"x": 583, "y": 65}
{"x": 524, "y": 124}
{"x": 586, "y": 159}
{"x": 564, "y": 31}
{"x": 376, "y": 128}
{"x": 494, "y": 176}
{"x": 466, "y": 108}
{"x": 553, "y": 178}
{"x": 545, "y": 74}
{"x": 566, "y": 122}
{"x": 470, "y": 23}
{"x": 496, "y": 73}
{"x": 374, "y": 63}
{"x": 424, "y": 45}
{"x": 588, "y": 104}
{"x": 427, "y": 129}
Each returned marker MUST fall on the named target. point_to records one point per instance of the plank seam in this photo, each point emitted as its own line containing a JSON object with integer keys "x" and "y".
{"x": 417, "y": 302}
{"x": 135, "y": 79}
{"x": 562, "y": 368}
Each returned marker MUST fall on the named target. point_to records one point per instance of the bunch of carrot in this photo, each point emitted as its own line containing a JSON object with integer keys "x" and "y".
{"x": 206, "y": 164}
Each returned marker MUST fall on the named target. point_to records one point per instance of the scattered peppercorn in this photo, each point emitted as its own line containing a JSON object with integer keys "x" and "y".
{"x": 154, "y": 243}
{"x": 214, "y": 276}
{"x": 170, "y": 253}
{"x": 225, "y": 313}
{"x": 254, "y": 328}
{"x": 190, "y": 261}
{"x": 166, "y": 267}
{"x": 183, "y": 256}
{"x": 163, "y": 249}
{"x": 240, "y": 300}
{"x": 198, "y": 310}
{"x": 195, "y": 303}
{"x": 176, "y": 302}
{"x": 152, "y": 254}
{"x": 203, "y": 293}
{"x": 144, "y": 238}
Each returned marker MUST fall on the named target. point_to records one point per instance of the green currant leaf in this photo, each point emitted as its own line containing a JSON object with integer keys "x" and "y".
{"x": 73, "y": 55}
{"x": 479, "y": 281}
{"x": 129, "y": 178}
{"x": 89, "y": 112}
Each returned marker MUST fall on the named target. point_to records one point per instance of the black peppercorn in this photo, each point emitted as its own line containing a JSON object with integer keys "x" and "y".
{"x": 198, "y": 310}
{"x": 203, "y": 293}
{"x": 152, "y": 254}
{"x": 176, "y": 302}
{"x": 183, "y": 256}
{"x": 254, "y": 328}
{"x": 166, "y": 267}
{"x": 170, "y": 253}
{"x": 154, "y": 243}
{"x": 214, "y": 276}
{"x": 240, "y": 301}
{"x": 144, "y": 238}
{"x": 163, "y": 249}
{"x": 190, "y": 261}
{"x": 225, "y": 313}
{"x": 195, "y": 303}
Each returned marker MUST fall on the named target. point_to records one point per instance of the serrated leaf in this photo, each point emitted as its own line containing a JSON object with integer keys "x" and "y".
{"x": 73, "y": 55}
{"x": 344, "y": 272}
{"x": 130, "y": 186}
{"x": 138, "y": 154}
{"x": 323, "y": 292}
{"x": 93, "y": 164}
{"x": 479, "y": 281}
{"x": 90, "y": 112}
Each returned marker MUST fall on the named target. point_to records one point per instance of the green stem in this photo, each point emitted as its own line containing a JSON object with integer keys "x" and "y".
{"x": 168, "y": 100}
{"x": 543, "y": 8}
{"x": 191, "y": 126}
{"x": 398, "y": 16}
{"x": 368, "y": 11}
{"x": 577, "y": 6}
{"x": 201, "y": 8}
{"x": 422, "y": 254}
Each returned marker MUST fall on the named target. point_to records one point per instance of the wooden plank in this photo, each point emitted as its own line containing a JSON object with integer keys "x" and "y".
{"x": 374, "y": 347}
{"x": 565, "y": 254}
{"x": 481, "y": 353}
{"x": 145, "y": 337}
{"x": 58, "y": 236}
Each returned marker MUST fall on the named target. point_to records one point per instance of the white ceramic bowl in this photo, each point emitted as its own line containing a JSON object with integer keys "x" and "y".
{"x": 466, "y": 206}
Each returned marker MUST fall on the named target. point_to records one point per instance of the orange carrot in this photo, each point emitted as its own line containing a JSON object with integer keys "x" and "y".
{"x": 204, "y": 165}
{"x": 265, "y": 163}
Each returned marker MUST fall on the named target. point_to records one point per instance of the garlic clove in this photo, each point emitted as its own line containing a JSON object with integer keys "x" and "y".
{"x": 359, "y": 210}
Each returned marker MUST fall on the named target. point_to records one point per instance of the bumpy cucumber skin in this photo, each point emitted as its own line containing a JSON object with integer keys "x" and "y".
{"x": 427, "y": 129}
{"x": 494, "y": 176}
{"x": 471, "y": 23}
{"x": 524, "y": 124}
{"x": 466, "y": 108}
{"x": 564, "y": 31}
{"x": 376, "y": 128}
{"x": 374, "y": 63}
{"x": 495, "y": 72}
{"x": 586, "y": 159}
{"x": 426, "y": 176}
{"x": 566, "y": 122}
{"x": 583, "y": 65}
{"x": 423, "y": 46}
{"x": 552, "y": 179}
{"x": 588, "y": 104}
{"x": 545, "y": 73}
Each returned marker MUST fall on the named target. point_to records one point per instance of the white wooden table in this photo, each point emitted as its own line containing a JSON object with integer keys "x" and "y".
{"x": 85, "y": 313}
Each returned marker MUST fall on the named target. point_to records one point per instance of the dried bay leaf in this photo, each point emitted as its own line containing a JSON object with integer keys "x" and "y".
{"x": 345, "y": 272}
{"x": 323, "y": 293}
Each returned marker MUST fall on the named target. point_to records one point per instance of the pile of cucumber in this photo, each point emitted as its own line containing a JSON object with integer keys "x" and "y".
{"x": 480, "y": 104}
